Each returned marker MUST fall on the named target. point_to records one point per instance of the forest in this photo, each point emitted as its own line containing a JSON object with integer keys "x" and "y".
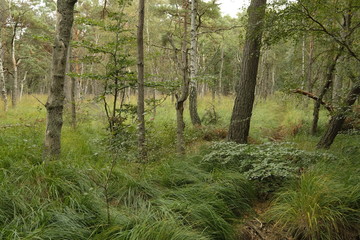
{"x": 173, "y": 120}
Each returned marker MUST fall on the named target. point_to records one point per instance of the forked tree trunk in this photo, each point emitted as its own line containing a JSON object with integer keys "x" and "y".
{"x": 2, "y": 78}
{"x": 55, "y": 102}
{"x": 338, "y": 119}
{"x": 141, "y": 93}
{"x": 180, "y": 99}
{"x": 242, "y": 111}
{"x": 329, "y": 79}
{"x": 195, "y": 119}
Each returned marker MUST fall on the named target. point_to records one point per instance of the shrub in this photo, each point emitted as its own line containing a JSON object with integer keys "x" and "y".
{"x": 268, "y": 164}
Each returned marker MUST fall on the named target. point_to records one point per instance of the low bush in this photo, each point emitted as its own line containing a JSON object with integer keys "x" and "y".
{"x": 269, "y": 164}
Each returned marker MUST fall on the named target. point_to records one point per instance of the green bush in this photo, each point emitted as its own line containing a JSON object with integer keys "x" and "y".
{"x": 268, "y": 164}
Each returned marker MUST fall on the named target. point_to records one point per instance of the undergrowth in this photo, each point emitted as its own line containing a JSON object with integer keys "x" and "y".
{"x": 97, "y": 190}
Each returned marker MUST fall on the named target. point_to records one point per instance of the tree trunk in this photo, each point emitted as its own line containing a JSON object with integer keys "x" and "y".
{"x": 55, "y": 102}
{"x": 15, "y": 90}
{"x": 221, "y": 71}
{"x": 2, "y": 77}
{"x": 22, "y": 85}
{"x": 195, "y": 119}
{"x": 141, "y": 93}
{"x": 338, "y": 119}
{"x": 72, "y": 89}
{"x": 242, "y": 111}
{"x": 329, "y": 79}
{"x": 310, "y": 65}
{"x": 180, "y": 99}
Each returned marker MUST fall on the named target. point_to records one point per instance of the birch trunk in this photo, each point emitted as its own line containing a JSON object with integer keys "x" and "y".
{"x": 15, "y": 90}
{"x": 2, "y": 78}
{"x": 195, "y": 119}
{"x": 22, "y": 85}
{"x": 55, "y": 102}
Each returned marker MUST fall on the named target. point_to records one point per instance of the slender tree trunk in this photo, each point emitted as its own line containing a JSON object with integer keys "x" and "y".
{"x": 2, "y": 78}
{"x": 310, "y": 65}
{"x": 329, "y": 79}
{"x": 55, "y": 102}
{"x": 22, "y": 85}
{"x": 141, "y": 93}
{"x": 221, "y": 71}
{"x": 338, "y": 119}
{"x": 303, "y": 50}
{"x": 15, "y": 90}
{"x": 72, "y": 89}
{"x": 242, "y": 111}
{"x": 195, "y": 119}
{"x": 180, "y": 99}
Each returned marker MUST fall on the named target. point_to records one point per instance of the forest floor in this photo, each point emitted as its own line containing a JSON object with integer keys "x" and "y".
{"x": 279, "y": 187}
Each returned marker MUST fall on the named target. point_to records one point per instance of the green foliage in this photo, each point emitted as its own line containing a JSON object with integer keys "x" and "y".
{"x": 269, "y": 163}
{"x": 210, "y": 116}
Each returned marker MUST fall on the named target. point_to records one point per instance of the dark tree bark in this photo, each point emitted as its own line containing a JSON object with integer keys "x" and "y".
{"x": 316, "y": 98}
{"x": 181, "y": 98}
{"x": 245, "y": 91}
{"x": 329, "y": 79}
{"x": 55, "y": 103}
{"x": 338, "y": 119}
{"x": 195, "y": 119}
{"x": 141, "y": 93}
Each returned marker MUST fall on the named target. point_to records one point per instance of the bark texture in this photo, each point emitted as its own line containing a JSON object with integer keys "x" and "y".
{"x": 329, "y": 79}
{"x": 195, "y": 119}
{"x": 141, "y": 92}
{"x": 181, "y": 98}
{"x": 15, "y": 88}
{"x": 2, "y": 78}
{"x": 338, "y": 119}
{"x": 72, "y": 90}
{"x": 55, "y": 102}
{"x": 245, "y": 91}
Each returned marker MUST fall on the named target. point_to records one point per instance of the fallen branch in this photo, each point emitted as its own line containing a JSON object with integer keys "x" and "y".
{"x": 312, "y": 96}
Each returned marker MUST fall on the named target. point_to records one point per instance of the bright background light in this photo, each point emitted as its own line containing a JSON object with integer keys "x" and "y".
{"x": 232, "y": 7}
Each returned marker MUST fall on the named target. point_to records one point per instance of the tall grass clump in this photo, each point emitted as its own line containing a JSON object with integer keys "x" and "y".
{"x": 318, "y": 206}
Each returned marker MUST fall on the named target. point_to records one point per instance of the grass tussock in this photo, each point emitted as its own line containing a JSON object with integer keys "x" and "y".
{"x": 320, "y": 205}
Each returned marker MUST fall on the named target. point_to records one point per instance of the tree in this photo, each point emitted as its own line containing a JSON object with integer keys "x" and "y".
{"x": 339, "y": 117}
{"x": 55, "y": 103}
{"x": 342, "y": 34}
{"x": 2, "y": 77}
{"x": 245, "y": 91}
{"x": 181, "y": 98}
{"x": 195, "y": 119}
{"x": 141, "y": 97}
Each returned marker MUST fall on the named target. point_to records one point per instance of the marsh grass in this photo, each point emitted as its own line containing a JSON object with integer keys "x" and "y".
{"x": 169, "y": 198}
{"x": 322, "y": 204}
